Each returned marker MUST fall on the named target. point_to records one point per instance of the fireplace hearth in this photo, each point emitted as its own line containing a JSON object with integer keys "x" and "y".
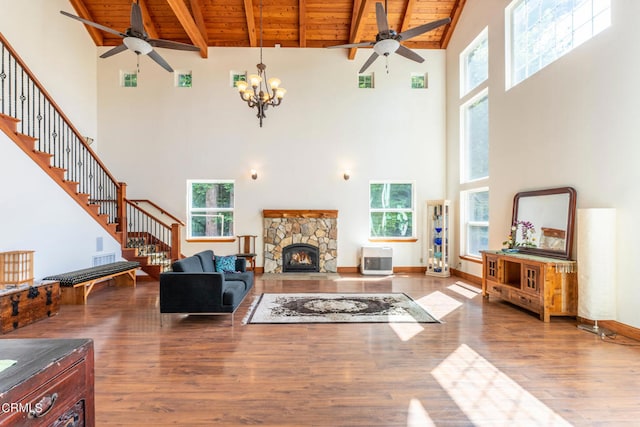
{"x": 300, "y": 257}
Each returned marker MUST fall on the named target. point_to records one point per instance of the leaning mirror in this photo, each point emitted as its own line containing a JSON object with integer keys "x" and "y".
{"x": 545, "y": 221}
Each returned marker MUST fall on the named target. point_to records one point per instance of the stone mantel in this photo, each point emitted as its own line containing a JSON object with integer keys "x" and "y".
{"x": 315, "y": 227}
{"x": 291, "y": 213}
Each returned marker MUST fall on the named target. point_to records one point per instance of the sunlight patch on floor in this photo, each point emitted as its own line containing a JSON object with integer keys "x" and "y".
{"x": 417, "y": 416}
{"x": 465, "y": 291}
{"x": 406, "y": 331}
{"x": 439, "y": 304}
{"x": 487, "y": 396}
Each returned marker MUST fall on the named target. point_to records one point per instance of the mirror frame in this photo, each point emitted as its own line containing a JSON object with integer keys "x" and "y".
{"x": 566, "y": 254}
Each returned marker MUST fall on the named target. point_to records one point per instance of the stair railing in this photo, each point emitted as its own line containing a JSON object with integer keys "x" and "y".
{"x": 143, "y": 228}
{"x": 23, "y": 97}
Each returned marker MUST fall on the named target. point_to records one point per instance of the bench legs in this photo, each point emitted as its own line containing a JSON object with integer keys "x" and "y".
{"x": 79, "y": 293}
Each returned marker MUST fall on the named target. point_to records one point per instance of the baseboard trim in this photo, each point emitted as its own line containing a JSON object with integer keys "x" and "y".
{"x": 615, "y": 326}
{"x": 468, "y": 277}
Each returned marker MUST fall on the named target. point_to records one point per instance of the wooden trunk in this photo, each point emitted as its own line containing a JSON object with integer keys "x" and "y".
{"x": 27, "y": 304}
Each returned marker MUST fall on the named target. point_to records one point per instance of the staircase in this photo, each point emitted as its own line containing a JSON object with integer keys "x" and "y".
{"x": 36, "y": 124}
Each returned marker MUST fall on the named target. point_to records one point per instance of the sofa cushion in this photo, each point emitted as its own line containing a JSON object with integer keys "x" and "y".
{"x": 225, "y": 264}
{"x": 245, "y": 277}
{"x": 206, "y": 259}
{"x": 233, "y": 293}
{"x": 190, "y": 264}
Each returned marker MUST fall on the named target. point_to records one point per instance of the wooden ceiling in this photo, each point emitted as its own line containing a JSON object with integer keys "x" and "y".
{"x": 289, "y": 23}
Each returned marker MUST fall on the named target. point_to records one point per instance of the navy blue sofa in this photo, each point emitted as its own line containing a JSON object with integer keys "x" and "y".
{"x": 195, "y": 287}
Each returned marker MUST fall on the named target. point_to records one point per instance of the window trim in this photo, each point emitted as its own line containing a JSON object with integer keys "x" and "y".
{"x": 464, "y": 223}
{"x": 413, "y": 210}
{"x": 189, "y": 235}
{"x": 463, "y": 137}
{"x": 483, "y": 35}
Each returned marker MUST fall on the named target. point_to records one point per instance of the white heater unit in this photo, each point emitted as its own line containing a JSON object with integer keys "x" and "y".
{"x": 376, "y": 260}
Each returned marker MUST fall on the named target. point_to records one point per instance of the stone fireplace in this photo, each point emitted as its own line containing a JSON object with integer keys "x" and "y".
{"x": 300, "y": 240}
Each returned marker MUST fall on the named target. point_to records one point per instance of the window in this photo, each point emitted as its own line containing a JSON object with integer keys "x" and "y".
{"x": 391, "y": 210}
{"x": 128, "y": 79}
{"x": 474, "y": 63}
{"x": 183, "y": 78}
{"x": 419, "y": 81}
{"x": 475, "y": 138}
{"x": 474, "y": 221}
{"x": 365, "y": 81}
{"x": 210, "y": 207}
{"x": 238, "y": 77}
{"x": 541, "y": 31}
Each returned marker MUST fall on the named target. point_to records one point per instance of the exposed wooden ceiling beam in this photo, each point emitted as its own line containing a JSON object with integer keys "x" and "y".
{"x": 196, "y": 9}
{"x": 407, "y": 16}
{"x": 302, "y": 23}
{"x": 181, "y": 11}
{"x": 82, "y": 12}
{"x": 251, "y": 23}
{"x": 359, "y": 6}
{"x": 149, "y": 26}
{"x": 448, "y": 30}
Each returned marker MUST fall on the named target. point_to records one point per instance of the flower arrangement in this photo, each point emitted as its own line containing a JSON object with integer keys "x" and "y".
{"x": 527, "y": 230}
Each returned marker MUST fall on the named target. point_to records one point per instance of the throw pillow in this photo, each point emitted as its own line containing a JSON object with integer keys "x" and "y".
{"x": 225, "y": 264}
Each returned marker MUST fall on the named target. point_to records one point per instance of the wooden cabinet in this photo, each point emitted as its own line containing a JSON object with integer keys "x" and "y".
{"x": 25, "y": 304}
{"x": 51, "y": 383}
{"x": 543, "y": 285}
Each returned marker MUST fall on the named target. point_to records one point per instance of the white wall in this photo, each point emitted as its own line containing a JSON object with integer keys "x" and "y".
{"x": 35, "y": 212}
{"x": 157, "y": 136}
{"x": 573, "y": 123}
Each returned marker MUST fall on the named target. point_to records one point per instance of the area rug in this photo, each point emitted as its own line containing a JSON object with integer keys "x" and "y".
{"x": 338, "y": 308}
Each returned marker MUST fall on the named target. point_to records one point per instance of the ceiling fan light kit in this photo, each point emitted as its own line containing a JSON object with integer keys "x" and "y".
{"x": 137, "y": 45}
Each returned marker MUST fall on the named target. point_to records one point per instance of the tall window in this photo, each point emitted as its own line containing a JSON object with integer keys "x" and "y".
{"x": 391, "y": 210}
{"x": 475, "y": 211}
{"x": 474, "y": 146}
{"x": 541, "y": 31}
{"x": 210, "y": 208}
{"x": 475, "y": 138}
{"x": 474, "y": 63}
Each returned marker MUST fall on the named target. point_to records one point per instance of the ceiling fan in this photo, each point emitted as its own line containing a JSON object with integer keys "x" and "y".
{"x": 388, "y": 41}
{"x": 136, "y": 38}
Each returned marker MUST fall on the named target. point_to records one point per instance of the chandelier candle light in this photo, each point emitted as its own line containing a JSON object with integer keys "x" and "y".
{"x": 253, "y": 92}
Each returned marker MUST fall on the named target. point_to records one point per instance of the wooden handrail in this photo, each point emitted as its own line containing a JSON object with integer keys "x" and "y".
{"x": 162, "y": 211}
{"x": 53, "y": 103}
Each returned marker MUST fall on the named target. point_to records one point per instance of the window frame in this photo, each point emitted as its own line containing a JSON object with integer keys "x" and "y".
{"x": 464, "y": 69}
{"x": 511, "y": 79}
{"x": 465, "y": 136}
{"x": 412, "y": 210}
{"x": 190, "y": 211}
{"x": 465, "y": 223}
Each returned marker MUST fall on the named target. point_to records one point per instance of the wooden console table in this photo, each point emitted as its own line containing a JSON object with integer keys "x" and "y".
{"x": 546, "y": 286}
{"x": 51, "y": 383}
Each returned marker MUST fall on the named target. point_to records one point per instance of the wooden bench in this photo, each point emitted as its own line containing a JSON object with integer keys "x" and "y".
{"x": 76, "y": 285}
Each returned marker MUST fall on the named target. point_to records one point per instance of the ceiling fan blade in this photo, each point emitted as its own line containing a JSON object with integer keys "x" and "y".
{"x": 156, "y": 57}
{"x": 372, "y": 58}
{"x": 136, "y": 19}
{"x": 111, "y": 52}
{"x": 362, "y": 44}
{"x": 93, "y": 24}
{"x": 168, "y": 44}
{"x": 413, "y": 32}
{"x": 381, "y": 19}
{"x": 409, "y": 54}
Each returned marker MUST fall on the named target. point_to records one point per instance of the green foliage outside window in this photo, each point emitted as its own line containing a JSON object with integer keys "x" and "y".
{"x": 418, "y": 81}
{"x": 130, "y": 80}
{"x": 365, "y": 81}
{"x": 239, "y": 78}
{"x": 184, "y": 80}
{"x": 211, "y": 209}
{"x": 391, "y": 210}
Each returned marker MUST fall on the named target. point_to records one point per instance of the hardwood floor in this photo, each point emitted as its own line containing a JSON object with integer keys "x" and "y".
{"x": 488, "y": 364}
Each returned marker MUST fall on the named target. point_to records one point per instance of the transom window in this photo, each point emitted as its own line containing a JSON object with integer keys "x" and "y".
{"x": 474, "y": 63}
{"x": 475, "y": 138}
{"x": 541, "y": 31}
{"x": 391, "y": 210}
{"x": 210, "y": 207}
{"x": 475, "y": 216}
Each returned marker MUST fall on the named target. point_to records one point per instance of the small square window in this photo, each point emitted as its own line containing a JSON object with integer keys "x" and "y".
{"x": 238, "y": 77}
{"x": 365, "y": 81}
{"x": 128, "y": 79}
{"x": 183, "y": 78}
{"x": 419, "y": 81}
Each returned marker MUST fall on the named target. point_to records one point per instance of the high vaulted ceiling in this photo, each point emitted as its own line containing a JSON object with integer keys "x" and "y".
{"x": 289, "y": 23}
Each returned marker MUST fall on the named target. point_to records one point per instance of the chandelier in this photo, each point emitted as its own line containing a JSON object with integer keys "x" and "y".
{"x": 255, "y": 93}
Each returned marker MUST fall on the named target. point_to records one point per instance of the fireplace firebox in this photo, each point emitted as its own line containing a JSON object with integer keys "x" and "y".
{"x": 300, "y": 257}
